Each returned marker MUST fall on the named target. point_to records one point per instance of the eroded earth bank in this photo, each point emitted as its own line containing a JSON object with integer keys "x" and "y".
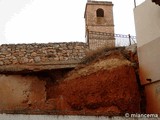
{"x": 105, "y": 83}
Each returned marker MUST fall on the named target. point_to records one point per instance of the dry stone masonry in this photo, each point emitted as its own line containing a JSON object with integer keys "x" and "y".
{"x": 12, "y": 54}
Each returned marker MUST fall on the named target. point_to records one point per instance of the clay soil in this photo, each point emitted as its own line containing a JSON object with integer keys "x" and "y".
{"x": 105, "y": 86}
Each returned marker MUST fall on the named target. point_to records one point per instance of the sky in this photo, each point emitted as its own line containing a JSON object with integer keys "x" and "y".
{"x": 44, "y": 21}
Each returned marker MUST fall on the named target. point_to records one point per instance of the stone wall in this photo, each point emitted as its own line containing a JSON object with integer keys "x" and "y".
{"x": 82, "y": 91}
{"x": 18, "y": 54}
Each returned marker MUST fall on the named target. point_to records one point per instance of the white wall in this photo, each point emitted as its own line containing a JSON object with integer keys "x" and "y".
{"x": 147, "y": 22}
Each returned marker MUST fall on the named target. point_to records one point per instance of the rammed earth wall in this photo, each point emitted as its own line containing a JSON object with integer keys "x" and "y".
{"x": 11, "y": 54}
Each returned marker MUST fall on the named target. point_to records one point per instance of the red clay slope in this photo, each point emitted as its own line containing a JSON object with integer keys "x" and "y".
{"x": 106, "y": 86}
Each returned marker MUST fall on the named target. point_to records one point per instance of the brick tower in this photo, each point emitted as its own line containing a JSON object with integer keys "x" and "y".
{"x": 99, "y": 24}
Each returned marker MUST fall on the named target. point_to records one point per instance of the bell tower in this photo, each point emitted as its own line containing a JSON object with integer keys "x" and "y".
{"x": 99, "y": 24}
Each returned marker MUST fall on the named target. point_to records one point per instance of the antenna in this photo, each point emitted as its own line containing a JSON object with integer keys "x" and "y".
{"x": 135, "y": 3}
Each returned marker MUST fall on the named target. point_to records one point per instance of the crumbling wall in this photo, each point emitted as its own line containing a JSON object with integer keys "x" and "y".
{"x": 27, "y": 92}
{"x": 12, "y": 54}
{"x": 104, "y": 86}
{"x": 19, "y": 92}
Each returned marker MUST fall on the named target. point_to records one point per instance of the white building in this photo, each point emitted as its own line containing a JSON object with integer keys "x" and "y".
{"x": 147, "y": 21}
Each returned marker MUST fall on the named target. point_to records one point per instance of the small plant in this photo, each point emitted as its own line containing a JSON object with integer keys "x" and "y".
{"x": 92, "y": 55}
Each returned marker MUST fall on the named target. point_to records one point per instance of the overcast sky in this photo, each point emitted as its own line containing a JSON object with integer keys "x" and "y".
{"x": 43, "y": 21}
